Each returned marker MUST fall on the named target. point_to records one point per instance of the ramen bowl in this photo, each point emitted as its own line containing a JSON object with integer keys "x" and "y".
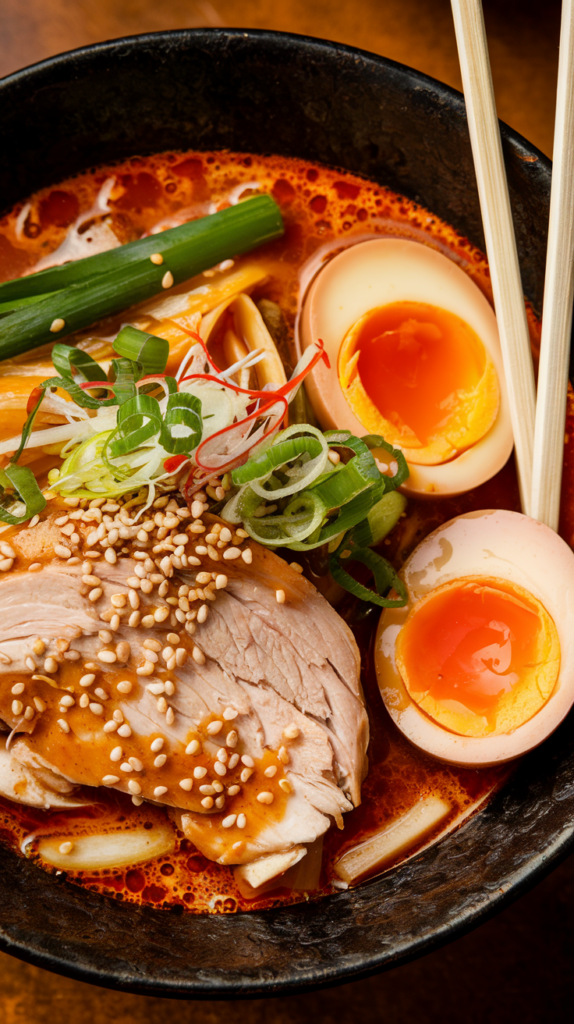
{"x": 264, "y": 93}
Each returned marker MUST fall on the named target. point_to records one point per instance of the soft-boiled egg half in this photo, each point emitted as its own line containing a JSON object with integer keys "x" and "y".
{"x": 478, "y": 667}
{"x": 415, "y": 356}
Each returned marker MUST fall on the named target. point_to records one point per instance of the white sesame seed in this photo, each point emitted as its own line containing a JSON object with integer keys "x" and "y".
{"x": 199, "y": 772}
{"x": 63, "y": 725}
{"x": 169, "y": 716}
{"x": 246, "y": 774}
{"x": 110, "y": 726}
{"x": 95, "y": 594}
{"x": 193, "y": 747}
{"x": 233, "y": 761}
{"x": 125, "y": 686}
{"x": 283, "y": 755}
{"x": 248, "y": 761}
{"x": 198, "y": 655}
{"x": 285, "y": 786}
{"x": 88, "y": 679}
{"x": 124, "y": 731}
{"x": 62, "y": 551}
{"x": 67, "y": 700}
{"x": 18, "y": 688}
{"x": 214, "y": 727}
{"x": 116, "y": 754}
{"x": 159, "y": 791}
{"x": 241, "y": 821}
{"x": 157, "y": 258}
{"x": 280, "y": 596}
{"x": 34, "y": 520}
{"x": 101, "y": 693}
{"x": 126, "y": 767}
{"x": 231, "y": 553}
{"x": 134, "y": 599}
{"x": 291, "y": 732}
{"x": 229, "y": 821}
{"x": 161, "y": 614}
{"x": 222, "y": 755}
{"x": 66, "y": 847}
{"x": 151, "y": 656}
{"x": 147, "y": 669}
{"x": 160, "y": 760}
{"x": 157, "y": 744}
{"x": 119, "y": 600}
{"x": 219, "y": 768}
{"x": 156, "y": 688}
{"x": 17, "y": 707}
{"x": 34, "y": 567}
{"x": 107, "y": 657}
{"x": 229, "y": 714}
{"x": 137, "y": 801}
{"x": 202, "y": 613}
{"x": 134, "y": 787}
{"x": 207, "y": 790}
{"x": 207, "y": 802}
{"x": 117, "y": 715}
{"x": 7, "y": 550}
{"x": 39, "y": 704}
{"x": 231, "y": 738}
{"x": 110, "y": 780}
{"x": 50, "y": 665}
{"x": 233, "y": 790}
{"x": 57, "y": 325}
{"x": 30, "y": 663}
{"x": 271, "y": 771}
{"x": 167, "y": 280}
{"x": 186, "y": 784}
{"x": 136, "y": 764}
{"x": 110, "y": 556}
{"x": 134, "y": 619}
{"x": 265, "y": 797}
{"x": 162, "y": 705}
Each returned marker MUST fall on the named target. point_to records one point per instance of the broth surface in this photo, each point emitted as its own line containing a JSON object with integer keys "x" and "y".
{"x": 323, "y": 210}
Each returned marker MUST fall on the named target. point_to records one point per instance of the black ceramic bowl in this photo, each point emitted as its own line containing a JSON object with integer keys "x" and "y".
{"x": 272, "y": 93}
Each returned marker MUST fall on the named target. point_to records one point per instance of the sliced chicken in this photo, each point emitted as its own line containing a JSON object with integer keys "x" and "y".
{"x": 171, "y": 659}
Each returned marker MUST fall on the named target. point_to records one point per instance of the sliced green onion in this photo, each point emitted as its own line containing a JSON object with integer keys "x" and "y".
{"x": 392, "y": 482}
{"x": 124, "y": 375}
{"x": 146, "y": 349}
{"x": 349, "y": 515}
{"x": 384, "y": 576}
{"x": 311, "y": 448}
{"x": 120, "y": 283}
{"x": 21, "y": 480}
{"x": 379, "y": 522}
{"x": 182, "y": 425}
{"x": 66, "y": 359}
{"x": 139, "y": 420}
{"x": 232, "y": 231}
{"x": 340, "y": 488}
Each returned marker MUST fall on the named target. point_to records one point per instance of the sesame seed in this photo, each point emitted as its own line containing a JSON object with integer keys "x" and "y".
{"x": 265, "y": 797}
{"x": 115, "y": 622}
{"x": 222, "y": 755}
{"x": 157, "y": 744}
{"x": 219, "y": 768}
{"x": 67, "y": 700}
{"x": 296, "y": 566}
{"x": 134, "y": 599}
{"x": 231, "y": 553}
{"x": 151, "y": 656}
{"x": 126, "y": 767}
{"x": 167, "y": 280}
{"x": 95, "y": 594}
{"x": 202, "y": 613}
{"x": 66, "y": 847}
{"x": 231, "y": 738}
{"x": 162, "y": 705}
{"x": 30, "y": 663}
{"x": 291, "y": 732}
{"x": 247, "y": 556}
{"x": 169, "y": 716}
{"x": 105, "y": 636}
{"x": 186, "y": 784}
{"x": 84, "y": 700}
{"x": 233, "y": 790}
{"x": 108, "y": 657}
{"x": 18, "y": 688}
{"x": 110, "y": 726}
{"x": 157, "y": 258}
{"x": 193, "y": 747}
{"x": 241, "y": 821}
{"x": 134, "y": 619}
{"x": 119, "y": 600}
{"x": 116, "y": 754}
{"x": 271, "y": 771}
{"x": 39, "y": 647}
{"x": 280, "y": 596}
{"x": 146, "y": 586}
{"x": 229, "y": 821}
{"x": 124, "y": 731}
{"x": 123, "y": 651}
{"x": 156, "y": 688}
{"x": 137, "y": 801}
{"x": 39, "y": 704}
{"x": 160, "y": 760}
{"x": 198, "y": 655}
{"x": 283, "y": 755}
{"x": 88, "y": 679}
{"x": 248, "y": 761}
{"x": 117, "y": 715}
{"x": 63, "y": 725}
{"x": 285, "y": 786}
{"x": 110, "y": 780}
{"x": 233, "y": 760}
{"x": 207, "y": 790}
{"x": 246, "y": 774}
{"x": 161, "y": 614}
{"x": 220, "y": 802}
{"x": 134, "y": 787}
{"x": 110, "y": 556}
{"x": 125, "y": 686}
{"x": 50, "y": 665}
{"x": 159, "y": 791}
{"x": 147, "y": 669}
{"x": 207, "y": 802}
{"x": 199, "y": 772}
{"x": 229, "y": 714}
{"x": 136, "y": 764}
{"x": 214, "y": 727}
{"x": 62, "y": 551}
{"x": 57, "y": 325}
{"x": 17, "y": 707}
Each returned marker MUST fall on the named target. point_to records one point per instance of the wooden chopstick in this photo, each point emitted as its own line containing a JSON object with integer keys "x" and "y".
{"x": 558, "y": 296}
{"x": 499, "y": 232}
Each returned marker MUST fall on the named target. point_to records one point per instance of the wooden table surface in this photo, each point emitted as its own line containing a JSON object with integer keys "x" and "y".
{"x": 519, "y": 965}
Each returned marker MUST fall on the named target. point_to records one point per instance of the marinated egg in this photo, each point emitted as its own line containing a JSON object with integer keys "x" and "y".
{"x": 478, "y": 667}
{"x": 415, "y": 356}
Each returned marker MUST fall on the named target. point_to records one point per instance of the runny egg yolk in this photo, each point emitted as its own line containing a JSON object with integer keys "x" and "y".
{"x": 420, "y": 376}
{"x": 479, "y": 656}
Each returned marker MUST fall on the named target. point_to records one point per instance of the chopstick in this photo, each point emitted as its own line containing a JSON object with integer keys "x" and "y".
{"x": 558, "y": 296}
{"x": 499, "y": 233}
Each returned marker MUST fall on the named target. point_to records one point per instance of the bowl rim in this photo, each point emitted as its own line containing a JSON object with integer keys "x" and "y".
{"x": 477, "y": 909}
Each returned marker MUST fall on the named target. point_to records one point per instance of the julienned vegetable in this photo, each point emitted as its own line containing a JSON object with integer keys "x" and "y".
{"x": 301, "y": 495}
{"x": 103, "y": 285}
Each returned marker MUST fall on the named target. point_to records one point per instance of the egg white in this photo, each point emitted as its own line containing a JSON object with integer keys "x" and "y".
{"x": 375, "y": 273}
{"x": 492, "y": 543}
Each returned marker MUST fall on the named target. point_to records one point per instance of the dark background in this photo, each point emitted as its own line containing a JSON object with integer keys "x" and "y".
{"x": 519, "y": 966}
